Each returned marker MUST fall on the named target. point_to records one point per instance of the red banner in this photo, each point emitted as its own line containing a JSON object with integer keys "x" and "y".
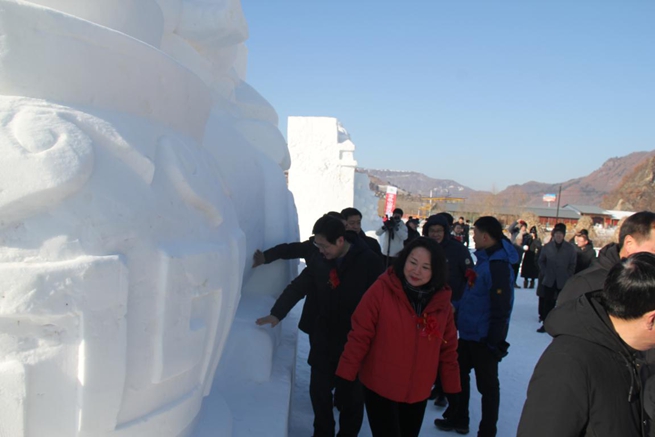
{"x": 390, "y": 204}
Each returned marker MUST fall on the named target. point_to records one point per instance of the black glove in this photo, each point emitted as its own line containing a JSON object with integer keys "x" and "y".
{"x": 342, "y": 389}
{"x": 500, "y": 350}
{"x": 390, "y": 224}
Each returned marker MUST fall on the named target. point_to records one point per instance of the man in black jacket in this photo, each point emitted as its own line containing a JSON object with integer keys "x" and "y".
{"x": 589, "y": 380}
{"x": 304, "y": 250}
{"x": 297, "y": 250}
{"x": 459, "y": 258}
{"x": 337, "y": 280}
{"x": 584, "y": 249}
{"x": 459, "y": 261}
{"x": 412, "y": 233}
{"x": 636, "y": 235}
{"x": 353, "y": 219}
{"x": 556, "y": 266}
{"x": 466, "y": 227}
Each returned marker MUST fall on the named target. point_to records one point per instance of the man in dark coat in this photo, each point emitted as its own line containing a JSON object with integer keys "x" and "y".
{"x": 298, "y": 250}
{"x": 353, "y": 219}
{"x": 412, "y": 233}
{"x": 584, "y": 250}
{"x": 589, "y": 380}
{"x": 531, "y": 251}
{"x": 556, "y": 265}
{"x": 459, "y": 260}
{"x": 465, "y": 228}
{"x": 636, "y": 235}
{"x": 517, "y": 230}
{"x": 337, "y": 280}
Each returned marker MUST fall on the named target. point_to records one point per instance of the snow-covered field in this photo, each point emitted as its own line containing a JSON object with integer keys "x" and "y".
{"x": 515, "y": 371}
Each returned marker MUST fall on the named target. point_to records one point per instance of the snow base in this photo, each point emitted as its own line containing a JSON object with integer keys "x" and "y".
{"x": 258, "y": 406}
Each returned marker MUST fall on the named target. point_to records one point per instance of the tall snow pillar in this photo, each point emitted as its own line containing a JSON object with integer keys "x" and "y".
{"x": 322, "y": 173}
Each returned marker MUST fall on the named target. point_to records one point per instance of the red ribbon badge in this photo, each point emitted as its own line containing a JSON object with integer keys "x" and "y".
{"x": 470, "y": 276}
{"x": 334, "y": 279}
{"x": 428, "y": 326}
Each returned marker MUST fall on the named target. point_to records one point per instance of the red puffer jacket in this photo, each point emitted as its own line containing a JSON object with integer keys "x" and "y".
{"x": 391, "y": 352}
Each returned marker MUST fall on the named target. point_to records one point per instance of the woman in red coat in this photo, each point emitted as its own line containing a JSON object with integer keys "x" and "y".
{"x": 403, "y": 332}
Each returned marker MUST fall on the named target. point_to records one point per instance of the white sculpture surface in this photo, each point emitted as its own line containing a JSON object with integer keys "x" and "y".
{"x": 138, "y": 173}
{"x": 322, "y": 152}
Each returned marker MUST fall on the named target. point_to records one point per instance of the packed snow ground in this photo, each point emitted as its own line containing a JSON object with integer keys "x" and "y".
{"x": 514, "y": 373}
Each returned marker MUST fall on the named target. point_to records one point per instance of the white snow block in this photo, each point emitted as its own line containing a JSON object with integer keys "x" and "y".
{"x": 322, "y": 173}
{"x": 64, "y": 323}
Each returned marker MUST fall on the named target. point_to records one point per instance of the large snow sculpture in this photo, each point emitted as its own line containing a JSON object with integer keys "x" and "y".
{"x": 133, "y": 187}
{"x": 322, "y": 176}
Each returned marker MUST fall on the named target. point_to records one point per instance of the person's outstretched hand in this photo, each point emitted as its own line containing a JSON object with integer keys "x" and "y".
{"x": 268, "y": 319}
{"x": 258, "y": 258}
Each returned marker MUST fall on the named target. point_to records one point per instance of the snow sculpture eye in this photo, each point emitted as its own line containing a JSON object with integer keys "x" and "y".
{"x": 39, "y": 141}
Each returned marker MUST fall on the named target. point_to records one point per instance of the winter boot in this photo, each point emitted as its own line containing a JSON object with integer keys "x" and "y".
{"x": 531, "y": 283}
{"x": 525, "y": 282}
{"x": 447, "y": 425}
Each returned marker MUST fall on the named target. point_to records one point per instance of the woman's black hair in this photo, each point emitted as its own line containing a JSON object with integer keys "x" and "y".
{"x": 438, "y": 261}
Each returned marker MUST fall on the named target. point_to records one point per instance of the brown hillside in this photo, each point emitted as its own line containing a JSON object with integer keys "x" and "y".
{"x": 587, "y": 190}
{"x": 636, "y": 192}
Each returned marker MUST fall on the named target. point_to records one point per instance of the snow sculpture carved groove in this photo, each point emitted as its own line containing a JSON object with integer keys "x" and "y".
{"x": 198, "y": 188}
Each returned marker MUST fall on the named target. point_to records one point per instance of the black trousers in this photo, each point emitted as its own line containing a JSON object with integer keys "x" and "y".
{"x": 477, "y": 356}
{"x": 321, "y": 384}
{"x": 388, "y": 418}
{"x": 547, "y": 301}
{"x": 516, "y": 267}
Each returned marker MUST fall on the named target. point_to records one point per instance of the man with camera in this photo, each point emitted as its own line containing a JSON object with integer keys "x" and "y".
{"x": 392, "y": 235}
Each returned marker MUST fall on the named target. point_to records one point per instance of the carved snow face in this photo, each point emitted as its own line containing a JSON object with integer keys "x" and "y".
{"x": 117, "y": 268}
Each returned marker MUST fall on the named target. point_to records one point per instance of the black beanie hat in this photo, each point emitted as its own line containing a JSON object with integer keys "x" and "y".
{"x": 437, "y": 219}
{"x": 560, "y": 227}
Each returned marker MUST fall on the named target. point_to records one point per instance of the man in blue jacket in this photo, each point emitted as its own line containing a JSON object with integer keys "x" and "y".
{"x": 483, "y": 321}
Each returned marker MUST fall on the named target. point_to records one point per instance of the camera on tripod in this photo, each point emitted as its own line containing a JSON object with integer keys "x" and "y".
{"x": 392, "y": 223}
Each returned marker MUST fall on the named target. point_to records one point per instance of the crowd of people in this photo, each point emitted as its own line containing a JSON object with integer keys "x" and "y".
{"x": 396, "y": 321}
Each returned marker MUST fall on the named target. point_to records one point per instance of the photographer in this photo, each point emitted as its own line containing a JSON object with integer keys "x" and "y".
{"x": 392, "y": 234}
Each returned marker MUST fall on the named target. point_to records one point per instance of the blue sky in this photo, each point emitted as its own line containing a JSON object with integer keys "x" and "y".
{"x": 488, "y": 93}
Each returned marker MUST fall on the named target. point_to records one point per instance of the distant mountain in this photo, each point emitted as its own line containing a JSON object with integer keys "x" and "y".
{"x": 586, "y": 190}
{"x": 636, "y": 192}
{"x": 417, "y": 184}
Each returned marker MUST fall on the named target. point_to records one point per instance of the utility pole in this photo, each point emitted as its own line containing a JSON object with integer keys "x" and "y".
{"x": 559, "y": 196}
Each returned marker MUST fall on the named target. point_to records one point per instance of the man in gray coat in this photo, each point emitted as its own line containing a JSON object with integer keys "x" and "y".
{"x": 557, "y": 264}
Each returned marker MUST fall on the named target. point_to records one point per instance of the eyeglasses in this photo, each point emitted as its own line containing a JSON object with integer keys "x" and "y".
{"x": 321, "y": 246}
